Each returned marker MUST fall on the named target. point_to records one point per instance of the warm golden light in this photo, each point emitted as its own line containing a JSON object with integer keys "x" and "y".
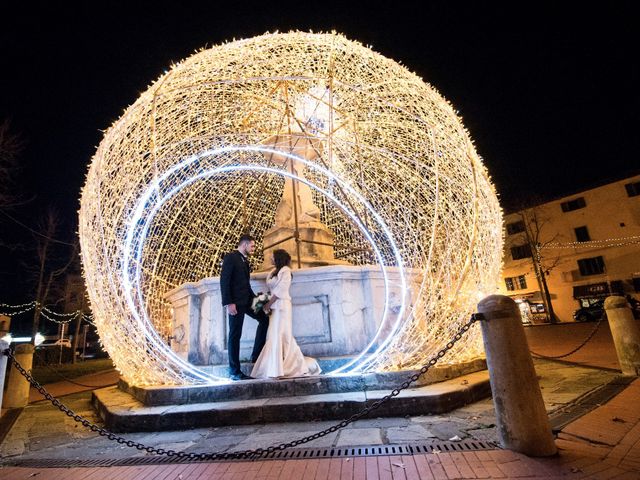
{"x": 187, "y": 168}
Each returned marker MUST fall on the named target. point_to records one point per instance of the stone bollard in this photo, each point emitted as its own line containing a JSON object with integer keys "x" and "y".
{"x": 17, "y": 395}
{"x": 522, "y": 421}
{"x": 626, "y": 334}
{"x": 3, "y": 366}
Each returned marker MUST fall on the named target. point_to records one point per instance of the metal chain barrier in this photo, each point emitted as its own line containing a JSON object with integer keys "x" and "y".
{"x": 589, "y": 337}
{"x": 245, "y": 454}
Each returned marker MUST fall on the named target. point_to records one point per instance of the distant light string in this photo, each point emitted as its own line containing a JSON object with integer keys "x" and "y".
{"x": 18, "y": 312}
{"x": 609, "y": 242}
{"x": 28, "y": 304}
{"x": 46, "y": 312}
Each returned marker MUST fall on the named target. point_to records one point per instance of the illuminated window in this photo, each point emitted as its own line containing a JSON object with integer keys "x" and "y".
{"x": 522, "y": 282}
{"x": 516, "y": 283}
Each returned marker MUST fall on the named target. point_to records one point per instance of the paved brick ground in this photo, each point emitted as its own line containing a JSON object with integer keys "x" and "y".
{"x": 42, "y": 432}
{"x": 610, "y": 435}
{"x": 577, "y": 459}
{"x": 560, "y": 339}
{"x": 83, "y": 384}
{"x": 603, "y": 444}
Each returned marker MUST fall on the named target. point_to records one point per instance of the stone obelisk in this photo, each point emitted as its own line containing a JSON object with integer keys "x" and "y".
{"x": 297, "y": 218}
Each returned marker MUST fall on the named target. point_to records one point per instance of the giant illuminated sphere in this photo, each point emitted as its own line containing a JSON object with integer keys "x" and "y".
{"x": 186, "y": 169}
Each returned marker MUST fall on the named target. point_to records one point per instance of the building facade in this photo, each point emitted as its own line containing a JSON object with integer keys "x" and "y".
{"x": 585, "y": 247}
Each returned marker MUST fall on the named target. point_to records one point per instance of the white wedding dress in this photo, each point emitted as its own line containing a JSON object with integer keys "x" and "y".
{"x": 281, "y": 355}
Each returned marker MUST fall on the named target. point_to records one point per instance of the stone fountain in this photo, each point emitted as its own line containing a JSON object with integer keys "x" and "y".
{"x": 337, "y": 307}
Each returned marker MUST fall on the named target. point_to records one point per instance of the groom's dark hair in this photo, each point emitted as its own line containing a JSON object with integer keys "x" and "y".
{"x": 246, "y": 238}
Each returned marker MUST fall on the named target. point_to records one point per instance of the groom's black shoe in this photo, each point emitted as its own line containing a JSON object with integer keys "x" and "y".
{"x": 240, "y": 376}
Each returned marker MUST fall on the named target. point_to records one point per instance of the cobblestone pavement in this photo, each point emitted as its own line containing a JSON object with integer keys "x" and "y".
{"x": 42, "y": 432}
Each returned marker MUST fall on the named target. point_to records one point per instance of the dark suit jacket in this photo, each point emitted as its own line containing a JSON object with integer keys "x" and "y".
{"x": 234, "y": 280}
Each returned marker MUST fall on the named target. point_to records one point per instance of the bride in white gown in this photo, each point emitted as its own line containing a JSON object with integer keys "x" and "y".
{"x": 281, "y": 355}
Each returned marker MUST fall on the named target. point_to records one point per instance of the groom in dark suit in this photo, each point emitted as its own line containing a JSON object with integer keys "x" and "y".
{"x": 237, "y": 297}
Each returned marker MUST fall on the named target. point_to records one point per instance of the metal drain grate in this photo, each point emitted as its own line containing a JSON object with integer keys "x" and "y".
{"x": 590, "y": 401}
{"x": 379, "y": 450}
{"x": 293, "y": 454}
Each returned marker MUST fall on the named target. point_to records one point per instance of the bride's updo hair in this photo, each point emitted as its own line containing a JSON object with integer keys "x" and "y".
{"x": 282, "y": 259}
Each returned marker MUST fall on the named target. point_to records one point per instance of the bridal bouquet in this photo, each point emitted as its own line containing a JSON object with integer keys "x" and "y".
{"x": 259, "y": 301}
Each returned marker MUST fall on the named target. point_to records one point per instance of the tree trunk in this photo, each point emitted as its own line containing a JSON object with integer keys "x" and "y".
{"x": 76, "y": 336}
{"x": 547, "y": 298}
{"x": 39, "y": 297}
{"x": 542, "y": 284}
{"x": 534, "y": 245}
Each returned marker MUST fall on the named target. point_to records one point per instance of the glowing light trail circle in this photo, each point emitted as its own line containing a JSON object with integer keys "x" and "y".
{"x": 136, "y": 223}
{"x": 151, "y": 219}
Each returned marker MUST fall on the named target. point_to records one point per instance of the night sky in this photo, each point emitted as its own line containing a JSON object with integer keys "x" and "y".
{"x": 548, "y": 92}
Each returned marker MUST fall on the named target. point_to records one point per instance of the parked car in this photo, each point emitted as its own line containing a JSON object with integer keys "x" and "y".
{"x": 593, "y": 312}
{"x": 635, "y": 306}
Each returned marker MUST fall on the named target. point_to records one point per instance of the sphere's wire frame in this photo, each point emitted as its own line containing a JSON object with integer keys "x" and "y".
{"x": 134, "y": 223}
{"x": 416, "y": 111}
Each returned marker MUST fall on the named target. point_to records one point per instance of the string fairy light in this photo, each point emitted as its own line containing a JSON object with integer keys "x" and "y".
{"x": 188, "y": 166}
{"x": 604, "y": 243}
{"x": 16, "y": 307}
{"x": 46, "y": 312}
{"x": 77, "y": 315}
{"x": 72, "y": 314}
{"x": 15, "y": 313}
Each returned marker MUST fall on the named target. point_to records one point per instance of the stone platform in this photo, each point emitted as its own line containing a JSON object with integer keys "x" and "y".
{"x": 131, "y": 409}
{"x": 337, "y": 310}
{"x": 294, "y": 387}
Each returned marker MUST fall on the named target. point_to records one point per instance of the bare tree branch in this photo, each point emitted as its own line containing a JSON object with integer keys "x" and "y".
{"x": 46, "y": 284}
{"x": 11, "y": 145}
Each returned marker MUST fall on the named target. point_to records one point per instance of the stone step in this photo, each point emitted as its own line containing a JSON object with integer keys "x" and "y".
{"x": 327, "y": 364}
{"x": 122, "y": 412}
{"x": 291, "y": 387}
